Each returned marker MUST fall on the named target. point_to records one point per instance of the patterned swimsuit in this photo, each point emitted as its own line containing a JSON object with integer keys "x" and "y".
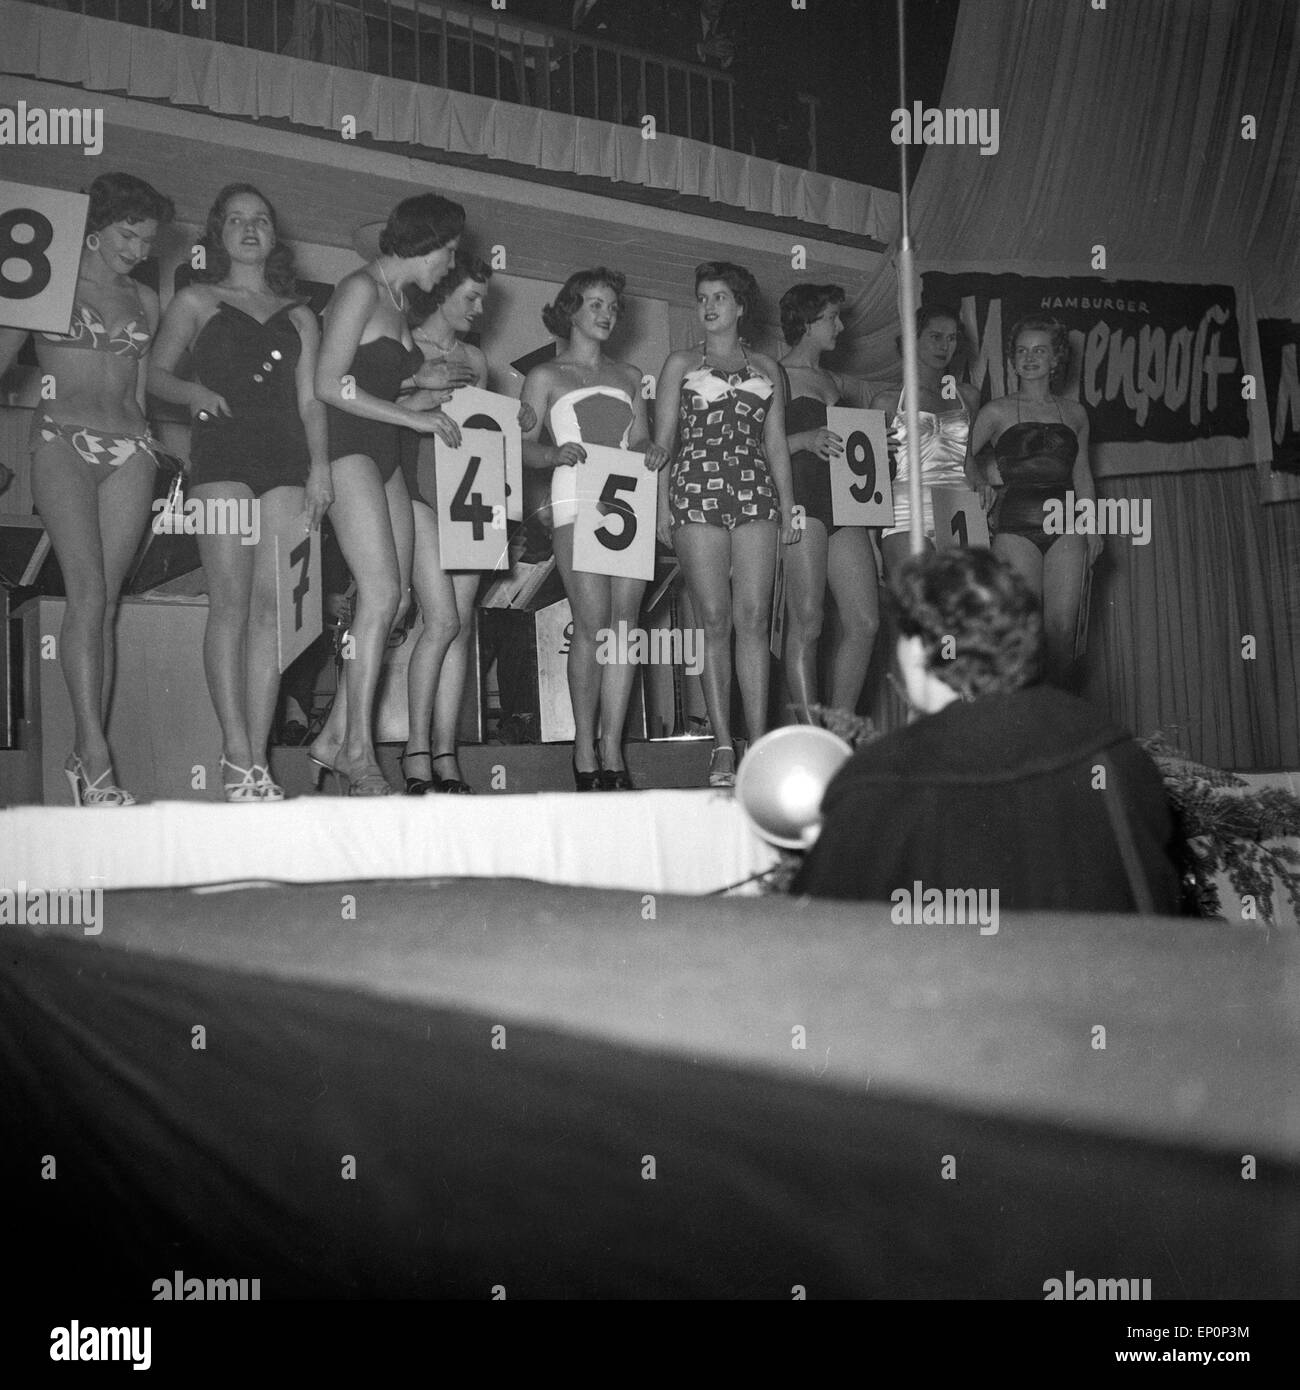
{"x": 720, "y": 475}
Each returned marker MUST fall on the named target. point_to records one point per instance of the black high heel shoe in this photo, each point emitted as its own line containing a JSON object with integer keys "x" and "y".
{"x": 615, "y": 779}
{"x": 587, "y": 781}
{"x": 418, "y": 786}
{"x": 453, "y": 785}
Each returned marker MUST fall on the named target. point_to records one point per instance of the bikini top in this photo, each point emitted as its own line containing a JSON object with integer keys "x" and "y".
{"x": 89, "y": 331}
{"x": 592, "y": 415}
{"x": 1031, "y": 453}
{"x": 249, "y": 362}
{"x": 942, "y": 437}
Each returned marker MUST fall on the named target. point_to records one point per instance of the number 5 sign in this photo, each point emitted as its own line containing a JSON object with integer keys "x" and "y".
{"x": 472, "y": 502}
{"x": 40, "y": 254}
{"x": 861, "y": 494}
{"x": 618, "y": 497}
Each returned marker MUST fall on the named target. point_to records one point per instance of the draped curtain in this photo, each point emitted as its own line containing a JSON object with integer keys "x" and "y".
{"x": 1125, "y": 127}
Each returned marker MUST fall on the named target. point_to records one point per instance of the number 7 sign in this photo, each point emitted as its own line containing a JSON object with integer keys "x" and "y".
{"x": 618, "y": 497}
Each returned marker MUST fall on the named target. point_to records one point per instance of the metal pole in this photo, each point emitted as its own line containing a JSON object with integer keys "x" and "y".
{"x": 907, "y": 313}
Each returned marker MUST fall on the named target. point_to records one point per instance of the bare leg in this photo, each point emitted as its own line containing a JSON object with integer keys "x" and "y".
{"x": 705, "y": 553}
{"x": 280, "y": 514}
{"x": 753, "y": 572}
{"x": 94, "y": 515}
{"x": 851, "y": 572}
{"x": 618, "y": 678}
{"x": 228, "y": 565}
{"x": 1064, "y": 567}
{"x": 441, "y": 627}
{"x": 451, "y": 684}
{"x": 364, "y": 528}
{"x": 589, "y": 598}
{"x": 895, "y": 550}
{"x": 805, "y": 609}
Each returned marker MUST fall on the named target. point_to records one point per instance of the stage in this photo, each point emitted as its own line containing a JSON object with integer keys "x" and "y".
{"x": 521, "y": 1090}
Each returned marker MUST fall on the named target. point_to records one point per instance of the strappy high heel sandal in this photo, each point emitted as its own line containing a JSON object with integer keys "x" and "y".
{"x": 323, "y": 770}
{"x": 369, "y": 782}
{"x": 722, "y": 771}
{"x": 245, "y": 789}
{"x": 96, "y": 793}
{"x": 454, "y": 785}
{"x": 616, "y": 779}
{"x": 267, "y": 788}
{"x": 418, "y": 786}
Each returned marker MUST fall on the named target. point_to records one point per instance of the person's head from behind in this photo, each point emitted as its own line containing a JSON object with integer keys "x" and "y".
{"x": 968, "y": 626}
{"x": 812, "y": 309}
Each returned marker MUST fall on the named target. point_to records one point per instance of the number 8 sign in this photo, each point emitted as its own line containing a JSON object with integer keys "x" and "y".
{"x": 40, "y": 255}
{"x": 861, "y": 494}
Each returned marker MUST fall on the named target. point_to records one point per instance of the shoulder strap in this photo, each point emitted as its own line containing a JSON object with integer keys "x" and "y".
{"x": 785, "y": 381}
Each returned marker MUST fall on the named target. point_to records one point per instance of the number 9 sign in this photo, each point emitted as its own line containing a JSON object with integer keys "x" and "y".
{"x": 861, "y": 494}
{"x": 40, "y": 255}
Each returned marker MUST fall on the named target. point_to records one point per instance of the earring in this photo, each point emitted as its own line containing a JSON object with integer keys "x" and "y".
{"x": 92, "y": 242}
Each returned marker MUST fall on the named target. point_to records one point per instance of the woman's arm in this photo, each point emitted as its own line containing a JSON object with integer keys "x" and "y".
{"x": 320, "y": 486}
{"x": 152, "y": 313}
{"x": 639, "y": 438}
{"x": 971, "y": 400}
{"x": 668, "y": 399}
{"x": 537, "y": 395}
{"x": 1082, "y": 479}
{"x": 346, "y": 318}
{"x": 180, "y": 326}
{"x": 778, "y": 455}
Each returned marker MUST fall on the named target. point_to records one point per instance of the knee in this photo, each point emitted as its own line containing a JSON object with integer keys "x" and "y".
{"x": 442, "y": 627}
{"x": 716, "y": 620}
{"x": 806, "y": 618}
{"x": 751, "y": 618}
{"x": 381, "y": 599}
{"x": 862, "y": 624}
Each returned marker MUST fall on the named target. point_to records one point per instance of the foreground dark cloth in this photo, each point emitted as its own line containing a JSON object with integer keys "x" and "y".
{"x": 998, "y": 793}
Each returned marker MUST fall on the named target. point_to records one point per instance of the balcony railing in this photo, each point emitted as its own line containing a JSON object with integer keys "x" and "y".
{"x": 453, "y": 44}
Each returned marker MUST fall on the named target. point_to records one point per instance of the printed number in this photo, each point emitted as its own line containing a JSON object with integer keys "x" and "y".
{"x": 299, "y": 556}
{"x": 31, "y": 253}
{"x": 611, "y": 503}
{"x": 959, "y": 529}
{"x": 862, "y": 463}
{"x": 467, "y": 506}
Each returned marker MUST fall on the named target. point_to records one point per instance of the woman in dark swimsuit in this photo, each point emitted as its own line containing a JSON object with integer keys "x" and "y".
{"x": 92, "y": 455}
{"x": 840, "y": 555}
{"x": 729, "y": 496}
{"x": 366, "y": 357}
{"x": 1040, "y": 447}
{"x": 258, "y": 437}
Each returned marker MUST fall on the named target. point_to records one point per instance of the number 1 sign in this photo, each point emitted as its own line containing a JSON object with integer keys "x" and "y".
{"x": 40, "y": 254}
{"x": 618, "y": 497}
{"x": 959, "y": 519}
{"x": 861, "y": 494}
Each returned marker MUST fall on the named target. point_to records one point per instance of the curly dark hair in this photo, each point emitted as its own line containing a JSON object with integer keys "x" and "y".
{"x": 737, "y": 279}
{"x": 419, "y": 225}
{"x": 125, "y": 198}
{"x": 1042, "y": 323}
{"x": 558, "y": 317}
{"x": 802, "y": 304}
{"x": 984, "y": 606}
{"x": 465, "y": 267}
{"x": 281, "y": 274}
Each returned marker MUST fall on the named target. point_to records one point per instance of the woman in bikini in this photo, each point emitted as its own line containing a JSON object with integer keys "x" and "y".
{"x": 1040, "y": 451}
{"x": 259, "y": 443}
{"x": 583, "y": 397}
{"x": 93, "y": 457}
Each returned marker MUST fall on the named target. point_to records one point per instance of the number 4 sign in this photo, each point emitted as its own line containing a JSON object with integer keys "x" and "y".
{"x": 861, "y": 494}
{"x": 472, "y": 502}
{"x": 618, "y": 497}
{"x": 40, "y": 255}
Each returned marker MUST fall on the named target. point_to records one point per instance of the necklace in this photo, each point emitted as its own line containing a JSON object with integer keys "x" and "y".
{"x": 446, "y": 349}
{"x": 396, "y": 305}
